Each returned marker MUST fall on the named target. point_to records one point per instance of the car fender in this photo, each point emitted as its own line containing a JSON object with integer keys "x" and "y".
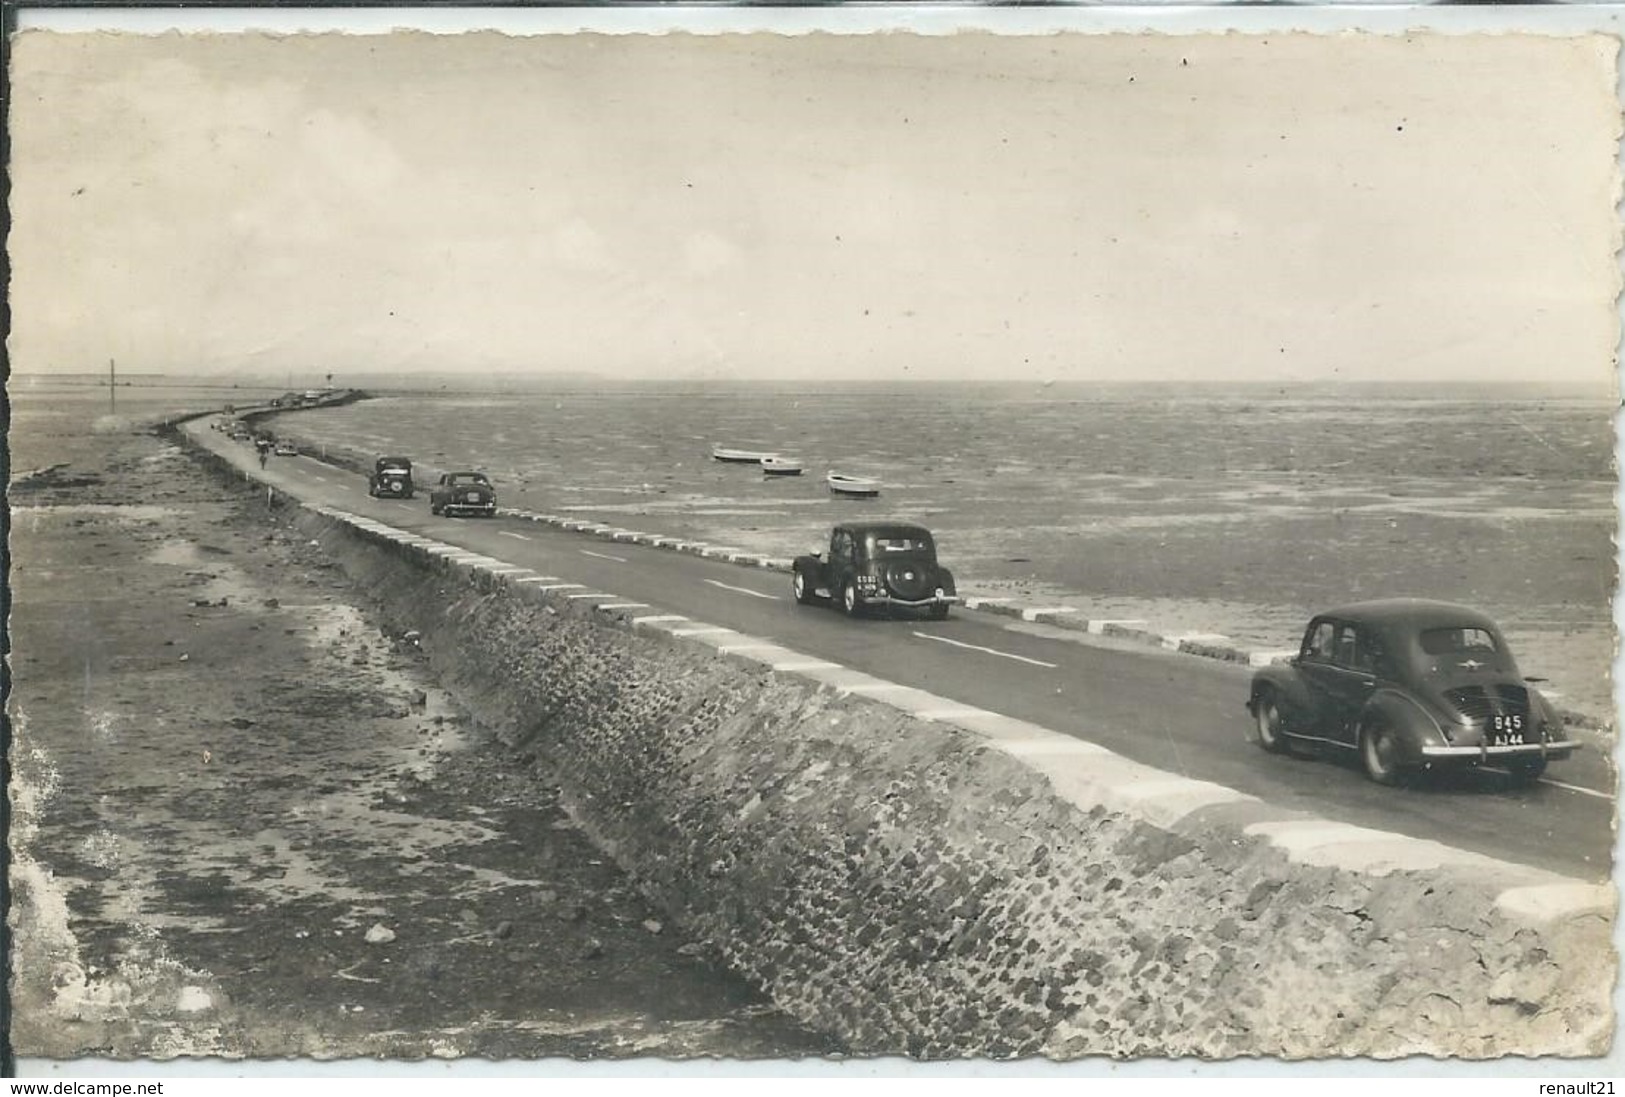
{"x": 1414, "y": 727}
{"x": 945, "y": 580}
{"x": 1551, "y": 720}
{"x": 810, "y": 566}
{"x": 1296, "y": 702}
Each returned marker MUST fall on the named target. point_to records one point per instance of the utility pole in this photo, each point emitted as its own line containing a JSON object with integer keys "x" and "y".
{"x": 112, "y": 385}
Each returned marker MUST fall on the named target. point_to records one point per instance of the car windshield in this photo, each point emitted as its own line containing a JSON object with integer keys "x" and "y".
{"x": 1456, "y": 641}
{"x": 468, "y": 479}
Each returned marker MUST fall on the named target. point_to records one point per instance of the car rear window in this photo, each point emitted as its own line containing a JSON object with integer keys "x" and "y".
{"x": 902, "y": 544}
{"x": 1448, "y": 641}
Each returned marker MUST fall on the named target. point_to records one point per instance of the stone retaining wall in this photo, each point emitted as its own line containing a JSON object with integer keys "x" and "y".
{"x": 896, "y": 881}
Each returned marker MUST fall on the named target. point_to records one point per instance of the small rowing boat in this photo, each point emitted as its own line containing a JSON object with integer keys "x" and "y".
{"x": 855, "y": 486}
{"x": 773, "y": 465}
{"x": 740, "y": 456}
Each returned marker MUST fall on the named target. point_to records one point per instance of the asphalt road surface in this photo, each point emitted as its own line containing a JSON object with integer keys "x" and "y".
{"x": 1180, "y": 713}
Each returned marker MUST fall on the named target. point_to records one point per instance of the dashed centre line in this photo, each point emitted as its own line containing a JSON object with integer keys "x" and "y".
{"x": 602, "y": 556}
{"x": 1576, "y": 788}
{"x": 989, "y": 651}
{"x": 509, "y": 533}
{"x": 743, "y": 590}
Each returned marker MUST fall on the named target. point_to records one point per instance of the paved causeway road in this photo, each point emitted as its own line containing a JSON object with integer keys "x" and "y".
{"x": 1176, "y": 712}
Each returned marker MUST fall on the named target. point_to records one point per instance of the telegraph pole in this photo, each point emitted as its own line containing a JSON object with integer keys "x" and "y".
{"x": 112, "y": 398}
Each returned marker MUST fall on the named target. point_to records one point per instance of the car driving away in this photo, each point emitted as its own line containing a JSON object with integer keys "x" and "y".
{"x": 391, "y": 478}
{"x": 1408, "y": 685}
{"x": 286, "y": 449}
{"x": 463, "y": 493}
{"x": 876, "y": 564}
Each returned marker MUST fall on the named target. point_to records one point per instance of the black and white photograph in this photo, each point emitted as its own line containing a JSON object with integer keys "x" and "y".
{"x": 1082, "y": 546}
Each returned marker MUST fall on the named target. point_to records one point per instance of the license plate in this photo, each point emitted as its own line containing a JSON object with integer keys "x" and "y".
{"x": 1507, "y": 729}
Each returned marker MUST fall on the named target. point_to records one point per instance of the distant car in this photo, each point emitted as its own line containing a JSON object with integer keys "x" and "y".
{"x": 876, "y": 563}
{"x": 463, "y": 493}
{"x": 286, "y": 449}
{"x": 391, "y": 477}
{"x": 1408, "y": 685}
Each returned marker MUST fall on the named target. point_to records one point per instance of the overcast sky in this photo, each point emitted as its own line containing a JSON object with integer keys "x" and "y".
{"x": 1071, "y": 208}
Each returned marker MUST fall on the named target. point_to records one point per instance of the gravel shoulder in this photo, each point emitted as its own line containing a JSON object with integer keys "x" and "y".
{"x": 247, "y": 823}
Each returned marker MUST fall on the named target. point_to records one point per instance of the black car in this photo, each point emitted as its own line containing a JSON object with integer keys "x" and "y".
{"x": 1408, "y": 685}
{"x": 876, "y": 563}
{"x": 392, "y": 477}
{"x": 463, "y": 493}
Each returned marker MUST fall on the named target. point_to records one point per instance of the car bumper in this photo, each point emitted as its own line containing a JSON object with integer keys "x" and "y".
{"x": 469, "y": 508}
{"x": 916, "y": 603}
{"x": 1483, "y": 753}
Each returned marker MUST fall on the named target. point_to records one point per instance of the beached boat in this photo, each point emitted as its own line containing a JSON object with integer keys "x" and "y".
{"x": 740, "y": 456}
{"x": 781, "y": 466}
{"x": 856, "y": 486}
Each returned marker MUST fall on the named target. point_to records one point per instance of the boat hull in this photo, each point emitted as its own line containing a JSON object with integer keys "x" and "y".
{"x": 739, "y": 456}
{"x": 852, "y": 486}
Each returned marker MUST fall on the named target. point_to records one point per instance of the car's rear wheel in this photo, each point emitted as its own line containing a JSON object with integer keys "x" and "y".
{"x": 1379, "y": 754}
{"x": 849, "y": 599}
{"x": 1271, "y": 726}
{"x": 1526, "y": 771}
{"x": 802, "y": 588}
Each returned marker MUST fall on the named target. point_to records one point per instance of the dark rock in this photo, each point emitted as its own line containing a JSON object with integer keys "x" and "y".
{"x": 592, "y": 949}
{"x": 504, "y": 930}
{"x": 240, "y": 722}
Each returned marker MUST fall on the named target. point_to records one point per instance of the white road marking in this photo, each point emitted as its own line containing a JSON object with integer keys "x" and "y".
{"x": 403, "y": 506}
{"x": 804, "y": 664}
{"x": 537, "y": 579}
{"x": 625, "y": 605}
{"x": 743, "y": 590}
{"x": 509, "y": 533}
{"x": 561, "y": 586}
{"x": 1577, "y": 788}
{"x": 653, "y": 617}
{"x": 990, "y": 651}
{"x": 602, "y": 556}
{"x": 589, "y": 594}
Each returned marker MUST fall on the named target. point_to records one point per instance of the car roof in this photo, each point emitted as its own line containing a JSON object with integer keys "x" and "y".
{"x": 467, "y": 472}
{"x": 1410, "y": 612}
{"x": 395, "y": 460}
{"x": 882, "y": 526}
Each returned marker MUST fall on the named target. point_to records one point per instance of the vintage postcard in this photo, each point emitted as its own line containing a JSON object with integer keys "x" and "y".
{"x": 1064, "y": 547}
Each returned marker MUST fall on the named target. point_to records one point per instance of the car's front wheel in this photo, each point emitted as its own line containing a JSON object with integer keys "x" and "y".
{"x": 1379, "y": 754}
{"x": 802, "y": 588}
{"x": 849, "y": 599}
{"x": 1267, "y": 714}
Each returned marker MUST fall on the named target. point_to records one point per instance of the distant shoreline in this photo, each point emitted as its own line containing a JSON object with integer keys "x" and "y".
{"x": 447, "y": 385}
